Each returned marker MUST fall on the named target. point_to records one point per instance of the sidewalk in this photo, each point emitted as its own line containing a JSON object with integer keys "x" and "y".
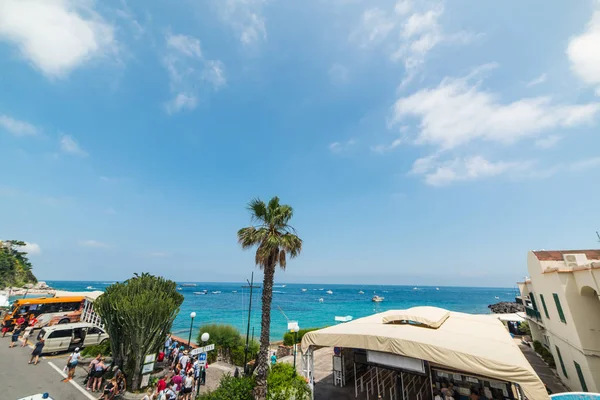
{"x": 20, "y": 379}
{"x": 542, "y": 369}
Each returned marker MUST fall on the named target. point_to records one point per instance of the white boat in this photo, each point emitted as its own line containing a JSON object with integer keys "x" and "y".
{"x": 179, "y": 288}
{"x": 304, "y": 290}
{"x": 497, "y": 298}
{"x": 216, "y": 292}
{"x": 361, "y": 292}
{"x": 321, "y": 289}
{"x": 415, "y": 288}
{"x": 329, "y": 292}
{"x": 437, "y": 288}
{"x": 377, "y": 299}
{"x": 198, "y": 293}
{"x": 283, "y": 285}
{"x": 234, "y": 291}
{"x": 90, "y": 288}
{"x": 321, "y": 300}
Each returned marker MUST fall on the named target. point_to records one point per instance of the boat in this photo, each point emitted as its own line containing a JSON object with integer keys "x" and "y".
{"x": 90, "y": 288}
{"x": 415, "y": 288}
{"x": 234, "y": 291}
{"x": 437, "y": 288}
{"x": 321, "y": 289}
{"x": 304, "y": 290}
{"x": 180, "y": 288}
{"x": 361, "y": 292}
{"x": 198, "y": 293}
{"x": 377, "y": 299}
{"x": 321, "y": 300}
{"x": 497, "y": 298}
{"x": 216, "y": 292}
{"x": 188, "y": 284}
{"x": 329, "y": 292}
{"x": 283, "y": 285}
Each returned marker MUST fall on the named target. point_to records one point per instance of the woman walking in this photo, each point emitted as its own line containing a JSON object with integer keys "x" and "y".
{"x": 37, "y": 351}
{"x": 15, "y": 337}
{"x": 72, "y": 364}
{"x": 90, "y": 377}
{"x": 188, "y": 386}
{"x": 26, "y": 334}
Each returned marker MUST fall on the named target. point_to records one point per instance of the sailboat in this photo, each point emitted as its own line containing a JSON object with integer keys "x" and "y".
{"x": 304, "y": 290}
{"x": 329, "y": 292}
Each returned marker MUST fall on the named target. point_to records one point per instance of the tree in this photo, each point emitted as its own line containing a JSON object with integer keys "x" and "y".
{"x": 138, "y": 315}
{"x": 15, "y": 267}
{"x": 275, "y": 240}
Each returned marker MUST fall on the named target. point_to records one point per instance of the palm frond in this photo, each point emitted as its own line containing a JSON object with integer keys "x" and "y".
{"x": 251, "y": 236}
{"x": 292, "y": 244}
{"x": 258, "y": 210}
{"x": 282, "y": 260}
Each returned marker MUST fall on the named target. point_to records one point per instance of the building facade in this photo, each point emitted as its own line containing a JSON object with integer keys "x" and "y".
{"x": 562, "y": 304}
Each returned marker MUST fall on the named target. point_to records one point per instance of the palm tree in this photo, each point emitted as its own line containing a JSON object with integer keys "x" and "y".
{"x": 275, "y": 240}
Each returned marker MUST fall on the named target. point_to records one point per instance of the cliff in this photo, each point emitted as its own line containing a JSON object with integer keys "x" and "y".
{"x": 15, "y": 268}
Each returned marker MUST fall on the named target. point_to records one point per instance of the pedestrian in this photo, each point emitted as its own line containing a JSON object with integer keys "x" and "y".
{"x": 90, "y": 376}
{"x": 109, "y": 390}
{"x": 161, "y": 385}
{"x": 177, "y": 380}
{"x": 5, "y": 328}
{"x": 188, "y": 386}
{"x": 37, "y": 351}
{"x": 26, "y": 334}
{"x": 170, "y": 392}
{"x": 72, "y": 362}
{"x": 99, "y": 369}
{"x": 273, "y": 359}
{"x": 121, "y": 382}
{"x": 32, "y": 321}
{"x": 148, "y": 395}
{"x": 168, "y": 344}
{"x": 15, "y": 336}
{"x": 20, "y": 321}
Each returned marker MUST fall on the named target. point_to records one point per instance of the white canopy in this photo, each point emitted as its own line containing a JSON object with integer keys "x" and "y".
{"x": 90, "y": 295}
{"x": 509, "y": 317}
{"x": 475, "y": 344}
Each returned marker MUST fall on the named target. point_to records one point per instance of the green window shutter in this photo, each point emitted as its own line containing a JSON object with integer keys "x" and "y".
{"x": 580, "y": 375}
{"x": 561, "y": 314}
{"x": 544, "y": 305}
{"x": 562, "y": 364}
{"x": 532, "y": 298}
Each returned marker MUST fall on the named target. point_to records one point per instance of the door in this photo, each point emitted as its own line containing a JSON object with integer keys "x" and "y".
{"x": 58, "y": 340}
{"x": 94, "y": 336}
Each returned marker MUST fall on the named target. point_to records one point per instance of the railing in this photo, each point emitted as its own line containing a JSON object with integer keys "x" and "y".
{"x": 534, "y": 314}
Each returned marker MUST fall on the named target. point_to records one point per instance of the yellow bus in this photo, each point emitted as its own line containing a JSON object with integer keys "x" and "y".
{"x": 47, "y": 310}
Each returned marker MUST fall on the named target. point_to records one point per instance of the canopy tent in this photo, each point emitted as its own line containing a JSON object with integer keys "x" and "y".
{"x": 514, "y": 317}
{"x": 476, "y": 344}
{"x": 93, "y": 295}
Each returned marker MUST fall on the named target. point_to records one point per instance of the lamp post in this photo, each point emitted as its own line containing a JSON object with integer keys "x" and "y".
{"x": 295, "y": 329}
{"x": 204, "y": 338}
{"x": 192, "y": 316}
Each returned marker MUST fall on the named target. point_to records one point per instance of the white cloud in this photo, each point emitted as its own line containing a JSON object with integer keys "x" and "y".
{"x": 31, "y": 248}
{"x": 340, "y": 147}
{"x": 548, "y": 142}
{"x": 94, "y": 244}
{"x": 56, "y": 36}
{"x": 459, "y": 111}
{"x": 188, "y": 70}
{"x": 585, "y": 164}
{"x": 338, "y": 73}
{"x": 382, "y": 148}
{"x": 245, "y": 18}
{"x": 408, "y": 32}
{"x": 539, "y": 80}
{"x": 16, "y": 127}
{"x": 471, "y": 168}
{"x": 70, "y": 146}
{"x": 583, "y": 53}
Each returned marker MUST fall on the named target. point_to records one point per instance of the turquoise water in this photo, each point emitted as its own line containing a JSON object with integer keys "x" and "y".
{"x": 576, "y": 396}
{"x": 232, "y": 308}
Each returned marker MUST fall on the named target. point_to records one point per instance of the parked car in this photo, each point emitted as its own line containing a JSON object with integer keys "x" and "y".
{"x": 65, "y": 337}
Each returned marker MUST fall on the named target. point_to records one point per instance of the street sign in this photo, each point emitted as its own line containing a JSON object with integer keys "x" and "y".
{"x": 202, "y": 357}
{"x": 204, "y": 349}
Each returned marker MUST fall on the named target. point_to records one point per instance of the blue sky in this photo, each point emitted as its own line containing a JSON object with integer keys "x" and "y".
{"x": 424, "y": 142}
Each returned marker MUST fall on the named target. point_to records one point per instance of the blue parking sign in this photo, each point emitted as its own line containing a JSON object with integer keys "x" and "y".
{"x": 202, "y": 357}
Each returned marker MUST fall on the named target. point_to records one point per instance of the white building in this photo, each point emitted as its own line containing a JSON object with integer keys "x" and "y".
{"x": 563, "y": 306}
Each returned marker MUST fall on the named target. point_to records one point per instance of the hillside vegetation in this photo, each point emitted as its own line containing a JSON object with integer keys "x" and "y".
{"x": 15, "y": 268}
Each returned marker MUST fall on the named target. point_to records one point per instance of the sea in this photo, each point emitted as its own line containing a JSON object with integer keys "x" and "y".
{"x": 228, "y": 303}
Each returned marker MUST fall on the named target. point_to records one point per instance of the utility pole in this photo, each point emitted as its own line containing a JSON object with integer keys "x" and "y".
{"x": 598, "y": 234}
{"x": 248, "y": 327}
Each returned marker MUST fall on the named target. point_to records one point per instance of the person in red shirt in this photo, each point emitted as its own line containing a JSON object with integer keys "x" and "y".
{"x": 33, "y": 320}
{"x": 161, "y": 385}
{"x": 20, "y": 320}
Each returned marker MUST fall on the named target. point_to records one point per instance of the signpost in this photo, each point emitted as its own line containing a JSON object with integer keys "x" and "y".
{"x": 204, "y": 349}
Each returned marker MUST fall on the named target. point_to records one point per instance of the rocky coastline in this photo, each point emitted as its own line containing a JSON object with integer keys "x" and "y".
{"x": 506, "y": 307}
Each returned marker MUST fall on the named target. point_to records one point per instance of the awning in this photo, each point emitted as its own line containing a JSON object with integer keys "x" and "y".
{"x": 475, "y": 344}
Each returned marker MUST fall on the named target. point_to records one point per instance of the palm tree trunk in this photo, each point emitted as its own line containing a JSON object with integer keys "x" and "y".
{"x": 262, "y": 362}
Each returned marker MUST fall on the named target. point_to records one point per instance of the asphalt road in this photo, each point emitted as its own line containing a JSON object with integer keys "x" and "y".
{"x": 19, "y": 379}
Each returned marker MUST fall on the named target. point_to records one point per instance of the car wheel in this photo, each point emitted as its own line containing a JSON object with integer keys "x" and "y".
{"x": 64, "y": 321}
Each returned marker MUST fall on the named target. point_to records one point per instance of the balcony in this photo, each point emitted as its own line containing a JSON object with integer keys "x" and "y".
{"x": 533, "y": 314}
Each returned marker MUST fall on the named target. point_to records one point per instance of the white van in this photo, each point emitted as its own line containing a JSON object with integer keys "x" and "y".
{"x": 65, "y": 337}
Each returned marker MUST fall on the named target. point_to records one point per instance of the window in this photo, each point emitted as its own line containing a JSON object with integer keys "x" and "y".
{"x": 562, "y": 364}
{"x": 532, "y": 298}
{"x": 61, "y": 333}
{"x": 544, "y": 305}
{"x": 95, "y": 331}
{"x": 580, "y": 375}
{"x": 561, "y": 314}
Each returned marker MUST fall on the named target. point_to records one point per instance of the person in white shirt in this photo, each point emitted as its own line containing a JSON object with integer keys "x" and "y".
{"x": 72, "y": 363}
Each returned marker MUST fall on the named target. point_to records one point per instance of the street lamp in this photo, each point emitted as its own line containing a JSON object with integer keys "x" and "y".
{"x": 295, "y": 329}
{"x": 192, "y": 316}
{"x": 204, "y": 338}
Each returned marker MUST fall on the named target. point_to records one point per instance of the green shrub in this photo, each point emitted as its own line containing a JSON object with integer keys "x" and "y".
{"x": 544, "y": 352}
{"x": 524, "y": 328}
{"x": 284, "y": 383}
{"x": 93, "y": 351}
{"x": 288, "y": 337}
{"x": 537, "y": 346}
{"x": 237, "y": 353}
{"x": 228, "y": 342}
{"x": 231, "y": 388}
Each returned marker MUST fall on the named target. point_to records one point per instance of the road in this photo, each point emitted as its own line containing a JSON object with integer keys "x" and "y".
{"x": 19, "y": 379}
